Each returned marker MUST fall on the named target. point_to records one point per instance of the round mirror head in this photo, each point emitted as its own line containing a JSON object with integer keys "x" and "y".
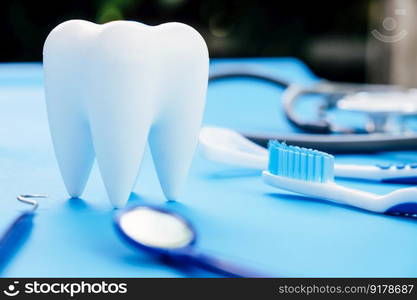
{"x": 155, "y": 228}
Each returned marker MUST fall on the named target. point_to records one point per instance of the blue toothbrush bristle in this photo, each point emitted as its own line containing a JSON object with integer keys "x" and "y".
{"x": 300, "y": 163}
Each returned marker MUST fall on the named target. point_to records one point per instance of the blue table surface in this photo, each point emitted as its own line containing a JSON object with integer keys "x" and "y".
{"x": 237, "y": 216}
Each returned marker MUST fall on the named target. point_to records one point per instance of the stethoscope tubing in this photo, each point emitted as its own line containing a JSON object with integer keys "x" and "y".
{"x": 341, "y": 143}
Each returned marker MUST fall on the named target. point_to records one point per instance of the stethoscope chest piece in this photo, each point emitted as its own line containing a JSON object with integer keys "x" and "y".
{"x": 386, "y": 111}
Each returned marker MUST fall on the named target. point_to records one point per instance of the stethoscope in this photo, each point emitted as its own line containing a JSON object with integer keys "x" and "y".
{"x": 165, "y": 234}
{"x": 384, "y": 105}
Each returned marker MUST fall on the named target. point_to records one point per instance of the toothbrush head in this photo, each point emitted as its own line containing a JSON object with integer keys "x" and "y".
{"x": 300, "y": 163}
{"x": 311, "y": 172}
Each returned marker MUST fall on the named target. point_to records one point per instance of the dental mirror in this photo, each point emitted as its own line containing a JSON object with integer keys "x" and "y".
{"x": 165, "y": 234}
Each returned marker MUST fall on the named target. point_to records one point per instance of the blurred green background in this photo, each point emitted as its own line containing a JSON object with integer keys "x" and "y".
{"x": 330, "y": 36}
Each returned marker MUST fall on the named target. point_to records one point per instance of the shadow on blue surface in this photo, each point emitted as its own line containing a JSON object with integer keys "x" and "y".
{"x": 77, "y": 204}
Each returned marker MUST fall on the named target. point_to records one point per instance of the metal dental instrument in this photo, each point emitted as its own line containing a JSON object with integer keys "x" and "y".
{"x": 29, "y": 199}
{"x": 18, "y": 232}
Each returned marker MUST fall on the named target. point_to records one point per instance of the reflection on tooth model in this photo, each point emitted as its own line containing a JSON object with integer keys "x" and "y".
{"x": 110, "y": 88}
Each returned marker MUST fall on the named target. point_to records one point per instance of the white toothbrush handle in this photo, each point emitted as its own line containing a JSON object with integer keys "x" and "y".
{"x": 229, "y": 157}
{"x": 329, "y": 191}
{"x": 229, "y": 147}
{"x": 374, "y": 172}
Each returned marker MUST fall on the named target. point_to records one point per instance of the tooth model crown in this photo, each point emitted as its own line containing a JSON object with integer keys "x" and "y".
{"x": 110, "y": 87}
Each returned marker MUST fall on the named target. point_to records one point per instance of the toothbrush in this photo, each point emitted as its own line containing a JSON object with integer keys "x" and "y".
{"x": 311, "y": 173}
{"x": 229, "y": 147}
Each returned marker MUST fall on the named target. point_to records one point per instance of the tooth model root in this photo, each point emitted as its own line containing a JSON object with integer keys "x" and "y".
{"x": 112, "y": 88}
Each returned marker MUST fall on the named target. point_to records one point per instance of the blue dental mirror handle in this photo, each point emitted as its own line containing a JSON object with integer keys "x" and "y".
{"x": 219, "y": 267}
{"x": 167, "y": 235}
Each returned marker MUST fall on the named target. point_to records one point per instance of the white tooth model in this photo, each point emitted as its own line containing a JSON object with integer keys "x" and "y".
{"x": 110, "y": 87}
